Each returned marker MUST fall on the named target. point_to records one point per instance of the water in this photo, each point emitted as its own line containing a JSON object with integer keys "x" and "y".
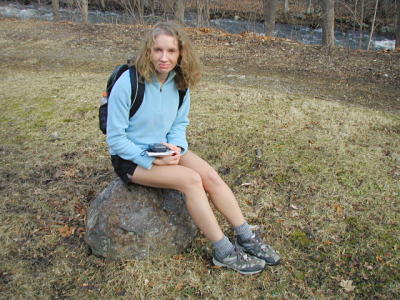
{"x": 306, "y": 34}
{"x": 302, "y": 34}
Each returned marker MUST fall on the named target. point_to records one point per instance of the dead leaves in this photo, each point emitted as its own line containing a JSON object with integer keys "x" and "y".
{"x": 69, "y": 230}
{"x": 358, "y": 207}
{"x": 179, "y": 286}
{"x": 338, "y": 209}
{"x": 347, "y": 285}
{"x": 66, "y": 231}
{"x": 80, "y": 208}
{"x": 67, "y": 172}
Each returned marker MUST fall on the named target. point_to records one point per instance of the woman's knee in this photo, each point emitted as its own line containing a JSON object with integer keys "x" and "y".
{"x": 191, "y": 180}
{"x": 211, "y": 179}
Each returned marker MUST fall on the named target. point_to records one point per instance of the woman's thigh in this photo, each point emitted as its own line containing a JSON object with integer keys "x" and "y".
{"x": 196, "y": 163}
{"x": 169, "y": 177}
{"x": 192, "y": 170}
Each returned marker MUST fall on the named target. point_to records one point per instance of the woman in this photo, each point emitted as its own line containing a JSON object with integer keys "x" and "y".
{"x": 167, "y": 63}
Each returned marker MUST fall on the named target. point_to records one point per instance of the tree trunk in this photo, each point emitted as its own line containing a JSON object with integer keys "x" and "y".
{"x": 84, "y": 7}
{"x": 398, "y": 27}
{"x": 85, "y": 11}
{"x": 199, "y": 8}
{"x": 285, "y": 7}
{"x": 355, "y": 17}
{"x": 180, "y": 11}
{"x": 151, "y": 5}
{"x": 361, "y": 24}
{"x": 140, "y": 7}
{"x": 270, "y": 7}
{"x": 328, "y": 23}
{"x": 383, "y": 8}
{"x": 309, "y": 6}
{"x": 103, "y": 4}
{"x": 373, "y": 25}
{"x": 55, "y": 5}
{"x": 207, "y": 12}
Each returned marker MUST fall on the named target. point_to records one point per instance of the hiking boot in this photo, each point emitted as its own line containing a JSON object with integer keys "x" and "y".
{"x": 256, "y": 247}
{"x": 240, "y": 261}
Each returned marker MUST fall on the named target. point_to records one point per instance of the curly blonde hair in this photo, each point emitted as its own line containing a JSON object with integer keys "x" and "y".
{"x": 188, "y": 66}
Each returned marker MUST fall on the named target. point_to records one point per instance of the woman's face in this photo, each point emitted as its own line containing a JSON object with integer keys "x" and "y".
{"x": 164, "y": 55}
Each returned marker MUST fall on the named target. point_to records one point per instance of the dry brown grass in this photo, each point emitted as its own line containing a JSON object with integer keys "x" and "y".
{"x": 325, "y": 189}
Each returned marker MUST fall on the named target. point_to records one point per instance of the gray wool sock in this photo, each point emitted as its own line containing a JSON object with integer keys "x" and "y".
{"x": 243, "y": 231}
{"x": 223, "y": 247}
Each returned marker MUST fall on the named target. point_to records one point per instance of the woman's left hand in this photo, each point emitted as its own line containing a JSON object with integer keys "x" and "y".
{"x": 174, "y": 148}
{"x": 172, "y": 159}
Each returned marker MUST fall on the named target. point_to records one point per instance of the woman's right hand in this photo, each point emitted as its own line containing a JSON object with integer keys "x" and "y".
{"x": 167, "y": 160}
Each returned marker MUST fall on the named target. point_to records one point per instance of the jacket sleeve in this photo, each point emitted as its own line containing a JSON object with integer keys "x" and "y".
{"x": 118, "y": 122}
{"x": 177, "y": 133}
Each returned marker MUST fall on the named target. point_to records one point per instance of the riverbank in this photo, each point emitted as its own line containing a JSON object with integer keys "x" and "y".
{"x": 366, "y": 78}
{"x": 308, "y": 140}
{"x": 296, "y": 14}
{"x": 295, "y": 24}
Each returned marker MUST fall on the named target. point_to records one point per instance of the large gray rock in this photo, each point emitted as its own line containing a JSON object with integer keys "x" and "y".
{"x": 137, "y": 222}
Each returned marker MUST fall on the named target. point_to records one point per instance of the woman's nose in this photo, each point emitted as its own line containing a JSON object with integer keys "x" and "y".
{"x": 164, "y": 55}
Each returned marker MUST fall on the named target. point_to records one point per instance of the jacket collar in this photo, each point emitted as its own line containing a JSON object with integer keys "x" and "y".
{"x": 171, "y": 76}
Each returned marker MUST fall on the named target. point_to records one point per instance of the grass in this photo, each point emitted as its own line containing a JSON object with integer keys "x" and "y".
{"x": 320, "y": 177}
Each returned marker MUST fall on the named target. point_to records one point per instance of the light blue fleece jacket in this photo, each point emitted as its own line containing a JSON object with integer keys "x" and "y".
{"x": 157, "y": 120}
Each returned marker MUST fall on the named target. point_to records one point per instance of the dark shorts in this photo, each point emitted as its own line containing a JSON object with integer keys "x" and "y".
{"x": 123, "y": 168}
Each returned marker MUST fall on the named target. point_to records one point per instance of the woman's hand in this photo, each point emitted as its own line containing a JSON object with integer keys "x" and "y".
{"x": 172, "y": 159}
{"x": 174, "y": 148}
{"x": 167, "y": 160}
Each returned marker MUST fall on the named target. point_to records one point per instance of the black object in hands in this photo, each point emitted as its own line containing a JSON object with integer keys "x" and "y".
{"x": 158, "y": 148}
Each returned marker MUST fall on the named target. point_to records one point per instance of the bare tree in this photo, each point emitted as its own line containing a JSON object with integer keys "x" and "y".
{"x": 309, "y": 6}
{"x": 84, "y": 7}
{"x": 203, "y": 13}
{"x": 398, "y": 27}
{"x": 384, "y": 8}
{"x": 103, "y": 4}
{"x": 328, "y": 23}
{"x": 207, "y": 12}
{"x": 285, "y": 7}
{"x": 199, "y": 8}
{"x": 373, "y": 25}
{"x": 180, "y": 11}
{"x": 135, "y": 9}
{"x": 270, "y": 7}
{"x": 140, "y": 7}
{"x": 152, "y": 6}
{"x": 55, "y": 6}
{"x": 361, "y": 23}
{"x": 85, "y": 11}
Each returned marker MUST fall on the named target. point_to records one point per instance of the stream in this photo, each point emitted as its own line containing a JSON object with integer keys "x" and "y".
{"x": 302, "y": 34}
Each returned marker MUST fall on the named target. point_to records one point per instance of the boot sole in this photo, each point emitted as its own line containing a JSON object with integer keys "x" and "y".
{"x": 220, "y": 264}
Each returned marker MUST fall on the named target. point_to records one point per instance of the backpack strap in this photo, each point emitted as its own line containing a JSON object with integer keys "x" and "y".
{"x": 182, "y": 94}
{"x": 137, "y": 91}
{"x": 114, "y": 77}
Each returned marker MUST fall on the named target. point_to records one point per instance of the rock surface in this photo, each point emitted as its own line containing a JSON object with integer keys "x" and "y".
{"x": 137, "y": 222}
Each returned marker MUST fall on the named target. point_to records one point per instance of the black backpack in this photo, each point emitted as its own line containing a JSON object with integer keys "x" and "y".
{"x": 137, "y": 93}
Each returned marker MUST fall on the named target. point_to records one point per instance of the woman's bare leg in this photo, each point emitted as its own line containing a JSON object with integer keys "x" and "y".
{"x": 220, "y": 194}
{"x": 189, "y": 182}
